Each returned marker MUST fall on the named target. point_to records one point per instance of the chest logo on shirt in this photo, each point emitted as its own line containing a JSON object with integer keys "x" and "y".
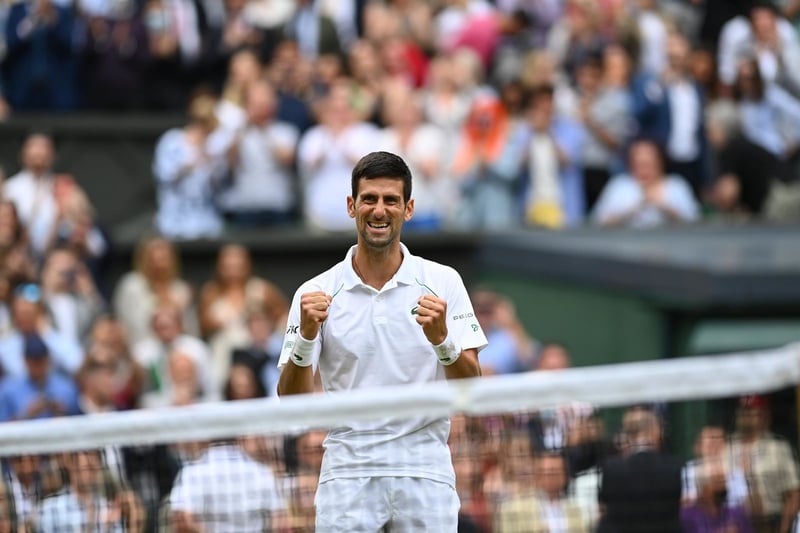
{"x": 415, "y": 310}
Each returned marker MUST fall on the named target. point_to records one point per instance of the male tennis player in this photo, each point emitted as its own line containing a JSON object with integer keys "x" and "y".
{"x": 382, "y": 317}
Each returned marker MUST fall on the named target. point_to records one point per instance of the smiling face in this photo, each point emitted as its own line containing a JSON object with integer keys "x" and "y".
{"x": 379, "y": 211}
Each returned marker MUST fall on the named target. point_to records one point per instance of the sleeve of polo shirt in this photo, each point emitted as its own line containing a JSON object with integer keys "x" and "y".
{"x": 293, "y": 329}
{"x": 462, "y": 325}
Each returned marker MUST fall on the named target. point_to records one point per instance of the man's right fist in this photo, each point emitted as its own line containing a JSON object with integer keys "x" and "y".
{"x": 313, "y": 312}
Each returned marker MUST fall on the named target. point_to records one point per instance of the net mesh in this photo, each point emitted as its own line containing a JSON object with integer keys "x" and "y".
{"x": 652, "y": 446}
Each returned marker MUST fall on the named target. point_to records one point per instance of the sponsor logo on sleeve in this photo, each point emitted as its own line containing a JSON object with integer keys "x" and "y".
{"x": 475, "y": 327}
{"x": 415, "y": 310}
{"x": 292, "y": 330}
{"x": 463, "y": 316}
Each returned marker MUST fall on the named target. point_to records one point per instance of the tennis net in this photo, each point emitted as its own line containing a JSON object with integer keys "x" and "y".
{"x": 541, "y": 451}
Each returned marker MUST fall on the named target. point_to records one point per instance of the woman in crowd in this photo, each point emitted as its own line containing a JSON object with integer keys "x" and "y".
{"x": 226, "y": 299}
{"x": 14, "y": 245}
{"x": 154, "y": 281}
{"x": 487, "y": 166}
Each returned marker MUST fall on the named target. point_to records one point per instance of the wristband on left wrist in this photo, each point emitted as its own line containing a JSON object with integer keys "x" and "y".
{"x": 447, "y": 352}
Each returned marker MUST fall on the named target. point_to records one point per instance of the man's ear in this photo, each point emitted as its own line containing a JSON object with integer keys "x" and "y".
{"x": 351, "y": 207}
{"x": 409, "y": 210}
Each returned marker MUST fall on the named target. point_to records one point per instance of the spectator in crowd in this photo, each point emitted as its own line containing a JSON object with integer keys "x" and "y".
{"x": 175, "y": 30}
{"x": 155, "y": 280}
{"x": 710, "y": 448}
{"x": 115, "y": 56}
{"x": 6, "y": 293}
{"x": 503, "y": 354}
{"x": 769, "y": 466}
{"x": 227, "y": 488}
{"x": 687, "y": 146}
{"x": 263, "y": 190}
{"x": 238, "y": 32}
{"x": 261, "y": 350}
{"x": 69, "y": 295}
{"x": 168, "y": 341}
{"x": 413, "y": 19}
{"x": 8, "y": 513}
{"x": 97, "y": 384}
{"x": 327, "y": 153}
{"x": 30, "y": 320}
{"x": 15, "y": 251}
{"x": 42, "y": 392}
{"x": 243, "y": 383}
{"x": 487, "y": 165}
{"x": 761, "y": 33}
{"x": 547, "y": 508}
{"x": 541, "y": 70}
{"x": 576, "y": 35}
{"x": 747, "y": 174}
{"x": 86, "y": 503}
{"x": 652, "y": 31}
{"x": 645, "y": 197}
{"x": 555, "y": 193}
{"x": 712, "y": 511}
{"x": 244, "y": 69}
{"x": 290, "y": 74}
{"x": 189, "y": 166}
{"x": 420, "y": 144}
{"x": 109, "y": 342}
{"x": 33, "y": 190}
{"x": 23, "y": 477}
{"x": 76, "y": 229}
{"x": 314, "y": 30}
{"x": 40, "y": 68}
{"x": 226, "y": 300}
{"x": 606, "y": 111}
{"x": 641, "y": 490}
{"x": 769, "y": 114}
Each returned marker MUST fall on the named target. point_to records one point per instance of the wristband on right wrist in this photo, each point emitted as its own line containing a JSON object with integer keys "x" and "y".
{"x": 303, "y": 351}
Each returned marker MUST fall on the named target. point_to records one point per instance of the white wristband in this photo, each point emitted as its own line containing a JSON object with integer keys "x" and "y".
{"x": 447, "y": 352}
{"x": 303, "y": 351}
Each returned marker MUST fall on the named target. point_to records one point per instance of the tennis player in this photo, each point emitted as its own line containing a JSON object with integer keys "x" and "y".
{"x": 382, "y": 317}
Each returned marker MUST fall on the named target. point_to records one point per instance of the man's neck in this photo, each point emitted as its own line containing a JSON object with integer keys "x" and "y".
{"x": 376, "y": 267}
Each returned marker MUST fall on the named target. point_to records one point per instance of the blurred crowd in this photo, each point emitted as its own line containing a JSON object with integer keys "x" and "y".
{"x": 540, "y": 113}
{"x": 551, "y": 113}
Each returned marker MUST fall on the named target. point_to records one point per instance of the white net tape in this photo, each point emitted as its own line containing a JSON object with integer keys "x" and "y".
{"x": 602, "y": 386}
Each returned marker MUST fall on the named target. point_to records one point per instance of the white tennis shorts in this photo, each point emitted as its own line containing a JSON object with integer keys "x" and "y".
{"x": 398, "y": 504}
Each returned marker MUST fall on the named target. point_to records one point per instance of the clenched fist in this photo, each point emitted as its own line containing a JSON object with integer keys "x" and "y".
{"x": 313, "y": 312}
{"x": 432, "y": 316}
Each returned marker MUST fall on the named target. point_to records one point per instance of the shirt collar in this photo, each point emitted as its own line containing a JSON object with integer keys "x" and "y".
{"x": 406, "y": 274}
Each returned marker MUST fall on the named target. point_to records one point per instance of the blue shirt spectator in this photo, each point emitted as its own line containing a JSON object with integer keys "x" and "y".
{"x": 39, "y": 65}
{"x": 43, "y": 393}
{"x": 28, "y": 316}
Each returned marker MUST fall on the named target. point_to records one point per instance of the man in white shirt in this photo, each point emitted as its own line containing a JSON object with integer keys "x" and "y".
{"x": 382, "y": 317}
{"x": 226, "y": 491}
{"x": 31, "y": 190}
{"x": 263, "y": 189}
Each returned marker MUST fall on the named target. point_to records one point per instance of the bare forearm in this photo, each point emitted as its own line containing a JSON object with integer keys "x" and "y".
{"x": 466, "y": 366}
{"x": 295, "y": 380}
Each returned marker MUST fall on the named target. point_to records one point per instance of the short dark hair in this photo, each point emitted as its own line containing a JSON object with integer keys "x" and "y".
{"x": 382, "y": 165}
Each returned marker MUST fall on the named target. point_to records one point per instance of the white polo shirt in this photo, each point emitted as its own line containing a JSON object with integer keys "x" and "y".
{"x": 227, "y": 491}
{"x": 371, "y": 339}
